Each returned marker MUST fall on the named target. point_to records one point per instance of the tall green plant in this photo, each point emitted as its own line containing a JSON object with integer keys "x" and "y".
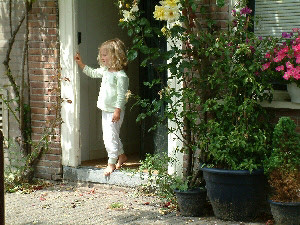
{"x": 214, "y": 82}
{"x": 237, "y": 135}
{"x": 185, "y": 61}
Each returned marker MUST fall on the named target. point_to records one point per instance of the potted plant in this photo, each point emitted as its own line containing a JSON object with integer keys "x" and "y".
{"x": 282, "y": 169}
{"x": 212, "y": 93}
{"x": 282, "y": 63}
{"x": 183, "y": 91}
{"x": 236, "y": 137}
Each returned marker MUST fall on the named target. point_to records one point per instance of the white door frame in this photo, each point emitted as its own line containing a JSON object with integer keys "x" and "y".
{"x": 70, "y": 129}
{"x": 70, "y": 87}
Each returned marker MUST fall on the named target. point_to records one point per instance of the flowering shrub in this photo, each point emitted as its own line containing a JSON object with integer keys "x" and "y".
{"x": 284, "y": 60}
{"x": 214, "y": 83}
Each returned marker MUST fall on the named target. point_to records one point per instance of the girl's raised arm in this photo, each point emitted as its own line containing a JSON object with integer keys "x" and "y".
{"x": 79, "y": 61}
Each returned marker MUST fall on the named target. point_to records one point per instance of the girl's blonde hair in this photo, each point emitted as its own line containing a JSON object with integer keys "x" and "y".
{"x": 117, "y": 51}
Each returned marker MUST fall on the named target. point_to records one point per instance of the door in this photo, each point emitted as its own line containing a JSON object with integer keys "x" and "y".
{"x": 154, "y": 141}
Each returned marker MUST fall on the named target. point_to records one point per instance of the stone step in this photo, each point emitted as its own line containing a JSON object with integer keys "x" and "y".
{"x": 96, "y": 175}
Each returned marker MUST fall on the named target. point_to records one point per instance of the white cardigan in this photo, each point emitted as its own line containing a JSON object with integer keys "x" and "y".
{"x": 113, "y": 88}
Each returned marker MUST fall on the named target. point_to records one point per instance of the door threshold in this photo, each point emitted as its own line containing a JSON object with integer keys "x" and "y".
{"x": 133, "y": 162}
{"x": 96, "y": 175}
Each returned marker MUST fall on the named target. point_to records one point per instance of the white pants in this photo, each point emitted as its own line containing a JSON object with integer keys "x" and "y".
{"x": 111, "y": 133}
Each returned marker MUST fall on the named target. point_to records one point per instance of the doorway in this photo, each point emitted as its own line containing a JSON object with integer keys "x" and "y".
{"x": 97, "y": 22}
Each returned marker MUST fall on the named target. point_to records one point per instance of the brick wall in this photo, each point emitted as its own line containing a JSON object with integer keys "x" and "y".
{"x": 219, "y": 14}
{"x": 43, "y": 64}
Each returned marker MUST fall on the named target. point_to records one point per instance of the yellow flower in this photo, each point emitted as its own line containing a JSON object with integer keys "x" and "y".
{"x": 127, "y": 6}
{"x": 121, "y": 20}
{"x": 159, "y": 13}
{"x": 171, "y": 14}
{"x": 172, "y": 3}
{"x": 165, "y": 31}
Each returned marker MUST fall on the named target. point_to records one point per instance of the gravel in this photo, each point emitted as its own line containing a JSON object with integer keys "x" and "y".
{"x": 89, "y": 203}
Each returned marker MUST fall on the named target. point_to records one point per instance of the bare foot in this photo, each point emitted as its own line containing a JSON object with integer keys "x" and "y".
{"x": 122, "y": 159}
{"x": 109, "y": 169}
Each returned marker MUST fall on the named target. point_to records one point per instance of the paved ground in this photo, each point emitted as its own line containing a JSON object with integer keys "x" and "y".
{"x": 82, "y": 203}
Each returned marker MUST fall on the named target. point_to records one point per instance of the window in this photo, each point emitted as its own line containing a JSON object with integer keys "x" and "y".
{"x": 276, "y": 16}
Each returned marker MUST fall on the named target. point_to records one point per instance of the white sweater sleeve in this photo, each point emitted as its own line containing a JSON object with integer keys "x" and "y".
{"x": 93, "y": 73}
{"x": 122, "y": 87}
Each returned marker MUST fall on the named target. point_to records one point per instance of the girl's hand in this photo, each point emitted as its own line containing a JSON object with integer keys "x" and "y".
{"x": 78, "y": 60}
{"x": 116, "y": 116}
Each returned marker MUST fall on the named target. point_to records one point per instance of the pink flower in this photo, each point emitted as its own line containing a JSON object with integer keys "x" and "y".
{"x": 289, "y": 65}
{"x": 246, "y": 10}
{"x": 268, "y": 55}
{"x": 296, "y": 48}
{"x": 292, "y": 72}
{"x": 233, "y": 12}
{"x": 266, "y": 65}
{"x": 279, "y": 57}
{"x": 295, "y": 30}
{"x": 298, "y": 59}
{"x": 284, "y": 50}
{"x": 279, "y": 68}
{"x": 252, "y": 49}
{"x": 286, "y": 35}
{"x": 286, "y": 75}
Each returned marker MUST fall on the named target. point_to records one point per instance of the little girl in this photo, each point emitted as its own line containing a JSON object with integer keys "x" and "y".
{"x": 111, "y": 99}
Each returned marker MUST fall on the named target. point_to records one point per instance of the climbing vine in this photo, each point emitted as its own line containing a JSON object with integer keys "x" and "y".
{"x": 20, "y": 107}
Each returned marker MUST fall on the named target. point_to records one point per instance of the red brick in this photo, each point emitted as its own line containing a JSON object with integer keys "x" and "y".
{"x": 35, "y": 123}
{"x": 42, "y": 117}
{"x": 51, "y": 99}
{"x": 38, "y": 130}
{"x": 51, "y": 157}
{"x": 43, "y": 71}
{"x": 55, "y": 151}
{"x": 45, "y": 10}
{"x": 51, "y": 45}
{"x": 47, "y": 163}
{"x": 45, "y": 176}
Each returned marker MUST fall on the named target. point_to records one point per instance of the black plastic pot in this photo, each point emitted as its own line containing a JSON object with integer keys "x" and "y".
{"x": 191, "y": 202}
{"x": 285, "y": 213}
{"x": 235, "y": 195}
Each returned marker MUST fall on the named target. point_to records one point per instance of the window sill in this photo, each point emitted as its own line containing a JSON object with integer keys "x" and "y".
{"x": 281, "y": 105}
{"x": 281, "y": 100}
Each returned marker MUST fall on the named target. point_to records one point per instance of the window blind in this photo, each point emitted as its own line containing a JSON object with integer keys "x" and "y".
{"x": 276, "y": 16}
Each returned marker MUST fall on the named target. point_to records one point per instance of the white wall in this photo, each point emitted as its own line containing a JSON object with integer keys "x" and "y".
{"x": 16, "y": 55}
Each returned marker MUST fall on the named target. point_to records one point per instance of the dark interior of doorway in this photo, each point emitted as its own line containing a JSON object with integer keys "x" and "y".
{"x": 154, "y": 141}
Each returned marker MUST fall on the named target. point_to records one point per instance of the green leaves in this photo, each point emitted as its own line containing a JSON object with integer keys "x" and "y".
{"x": 220, "y": 3}
{"x": 132, "y": 54}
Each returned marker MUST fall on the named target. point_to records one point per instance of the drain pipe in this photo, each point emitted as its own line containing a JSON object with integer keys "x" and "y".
{"x": 2, "y": 211}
